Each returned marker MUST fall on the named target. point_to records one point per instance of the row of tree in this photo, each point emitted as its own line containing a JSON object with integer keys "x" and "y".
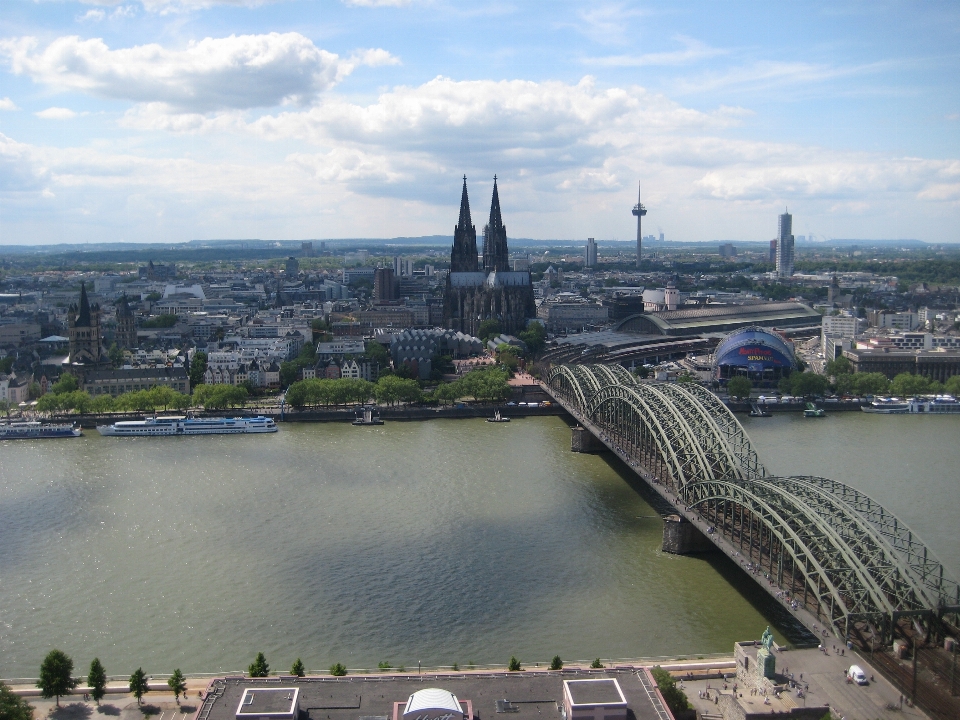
{"x": 486, "y": 384}
{"x": 56, "y": 679}
{"x": 808, "y": 384}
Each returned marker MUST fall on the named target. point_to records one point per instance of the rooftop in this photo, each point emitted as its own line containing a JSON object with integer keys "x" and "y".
{"x": 264, "y": 701}
{"x": 595, "y": 692}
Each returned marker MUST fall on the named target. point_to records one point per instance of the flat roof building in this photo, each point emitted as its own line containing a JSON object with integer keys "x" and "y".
{"x": 262, "y": 703}
{"x": 594, "y": 699}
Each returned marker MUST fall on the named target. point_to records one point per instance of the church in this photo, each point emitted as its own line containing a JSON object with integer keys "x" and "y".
{"x": 474, "y": 293}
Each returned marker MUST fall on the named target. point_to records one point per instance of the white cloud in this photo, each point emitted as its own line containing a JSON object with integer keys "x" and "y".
{"x": 693, "y": 51}
{"x": 176, "y": 6}
{"x": 93, "y": 15}
{"x": 235, "y": 72}
{"x": 376, "y": 3}
{"x": 8, "y": 104}
{"x": 56, "y": 113}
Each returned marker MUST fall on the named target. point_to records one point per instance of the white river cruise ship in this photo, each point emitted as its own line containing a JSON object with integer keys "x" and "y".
{"x": 185, "y": 425}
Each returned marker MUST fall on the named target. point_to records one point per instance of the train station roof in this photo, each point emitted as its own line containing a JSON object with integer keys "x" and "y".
{"x": 721, "y": 318}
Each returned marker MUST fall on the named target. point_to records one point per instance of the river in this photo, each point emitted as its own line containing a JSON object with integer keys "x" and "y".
{"x": 439, "y": 542}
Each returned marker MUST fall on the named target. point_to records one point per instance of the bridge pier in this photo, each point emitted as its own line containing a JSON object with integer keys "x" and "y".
{"x": 681, "y": 537}
{"x": 584, "y": 441}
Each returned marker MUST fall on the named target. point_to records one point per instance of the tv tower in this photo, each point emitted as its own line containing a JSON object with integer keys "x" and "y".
{"x": 639, "y": 210}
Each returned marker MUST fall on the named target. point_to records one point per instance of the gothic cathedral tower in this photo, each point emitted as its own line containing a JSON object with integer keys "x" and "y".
{"x": 463, "y": 256}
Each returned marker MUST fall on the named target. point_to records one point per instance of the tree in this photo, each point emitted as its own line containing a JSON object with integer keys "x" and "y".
{"x": 378, "y": 353}
{"x": 298, "y": 669}
{"x": 596, "y": 664}
{"x": 514, "y": 664}
{"x": 338, "y": 670}
{"x": 116, "y": 355}
{"x": 178, "y": 684}
{"x": 908, "y": 385}
{"x": 804, "y": 384}
{"x": 675, "y": 698}
{"x": 871, "y": 383}
{"x": 739, "y": 387}
{"x": 289, "y": 372}
{"x": 67, "y": 383}
{"x": 489, "y": 329}
{"x": 56, "y": 675}
{"x": 556, "y": 663}
{"x": 12, "y": 706}
{"x": 198, "y": 368}
{"x": 534, "y": 337}
{"x": 138, "y": 685}
{"x": 97, "y": 680}
{"x": 952, "y": 385}
{"x": 259, "y": 667}
{"x": 840, "y": 366}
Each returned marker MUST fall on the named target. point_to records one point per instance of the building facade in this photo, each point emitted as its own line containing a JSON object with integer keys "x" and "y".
{"x": 785, "y": 246}
{"x": 126, "y": 325}
{"x": 86, "y": 342}
{"x": 590, "y": 254}
{"x": 493, "y": 292}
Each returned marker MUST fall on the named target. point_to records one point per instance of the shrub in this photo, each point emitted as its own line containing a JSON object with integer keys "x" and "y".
{"x": 675, "y": 698}
{"x": 596, "y": 664}
{"x": 514, "y": 664}
{"x": 556, "y": 663}
{"x": 338, "y": 670}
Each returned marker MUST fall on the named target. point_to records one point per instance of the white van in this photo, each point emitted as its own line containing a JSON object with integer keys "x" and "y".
{"x": 855, "y": 673}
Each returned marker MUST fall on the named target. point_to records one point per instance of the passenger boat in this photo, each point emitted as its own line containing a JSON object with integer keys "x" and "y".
{"x": 813, "y": 411}
{"x": 187, "y": 425}
{"x": 30, "y": 429}
{"x": 887, "y": 406}
{"x": 931, "y": 404}
{"x": 367, "y": 416}
{"x": 497, "y": 417}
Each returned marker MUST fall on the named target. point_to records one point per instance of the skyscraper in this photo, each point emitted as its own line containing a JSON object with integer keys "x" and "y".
{"x": 590, "y": 257}
{"x": 785, "y": 246}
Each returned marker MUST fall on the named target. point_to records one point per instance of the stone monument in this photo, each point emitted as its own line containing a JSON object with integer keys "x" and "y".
{"x": 766, "y": 662}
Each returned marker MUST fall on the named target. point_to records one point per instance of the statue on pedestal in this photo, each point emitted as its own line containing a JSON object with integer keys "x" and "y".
{"x": 766, "y": 662}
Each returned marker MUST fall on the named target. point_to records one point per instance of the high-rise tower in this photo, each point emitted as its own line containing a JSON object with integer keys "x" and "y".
{"x": 785, "y": 245}
{"x": 126, "y": 325}
{"x": 495, "y": 253}
{"x": 463, "y": 256}
{"x": 639, "y": 210}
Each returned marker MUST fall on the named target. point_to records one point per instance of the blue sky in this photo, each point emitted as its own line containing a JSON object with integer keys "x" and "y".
{"x": 170, "y": 120}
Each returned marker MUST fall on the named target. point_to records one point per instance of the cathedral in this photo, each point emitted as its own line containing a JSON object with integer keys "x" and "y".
{"x": 474, "y": 294}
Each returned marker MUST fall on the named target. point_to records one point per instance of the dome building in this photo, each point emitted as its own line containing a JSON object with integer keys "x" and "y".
{"x": 760, "y": 354}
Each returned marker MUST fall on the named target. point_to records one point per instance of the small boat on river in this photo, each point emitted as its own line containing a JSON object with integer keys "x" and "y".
{"x": 813, "y": 411}
{"x": 497, "y": 417}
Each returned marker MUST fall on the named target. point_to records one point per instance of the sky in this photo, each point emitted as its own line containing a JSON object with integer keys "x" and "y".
{"x": 173, "y": 120}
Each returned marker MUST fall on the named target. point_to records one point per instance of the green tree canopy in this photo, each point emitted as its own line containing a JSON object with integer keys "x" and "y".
{"x": 259, "y": 667}
{"x": 840, "y": 366}
{"x": 535, "y": 337}
{"x": 297, "y": 668}
{"x": 139, "y": 685}
{"x": 338, "y": 670}
{"x": 556, "y": 663}
{"x": 908, "y": 385}
{"x": 67, "y": 383}
{"x": 804, "y": 384}
{"x": 178, "y": 684}
{"x": 56, "y": 675}
{"x": 675, "y": 698}
{"x": 220, "y": 397}
{"x": 97, "y": 680}
{"x": 160, "y": 321}
{"x": 12, "y": 706}
{"x": 198, "y": 367}
{"x": 514, "y": 664}
{"x": 739, "y": 387}
{"x": 489, "y": 329}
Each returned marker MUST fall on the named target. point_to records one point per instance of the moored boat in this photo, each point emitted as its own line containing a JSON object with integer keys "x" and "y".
{"x": 31, "y": 429}
{"x": 187, "y": 425}
{"x": 887, "y": 406}
{"x": 929, "y": 404}
{"x": 813, "y": 411}
{"x": 497, "y": 417}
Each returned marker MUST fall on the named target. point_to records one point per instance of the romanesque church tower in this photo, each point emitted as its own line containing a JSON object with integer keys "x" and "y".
{"x": 86, "y": 343}
{"x": 126, "y": 325}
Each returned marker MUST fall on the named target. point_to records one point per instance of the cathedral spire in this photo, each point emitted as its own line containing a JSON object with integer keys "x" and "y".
{"x": 495, "y": 255}
{"x": 463, "y": 256}
{"x": 83, "y": 317}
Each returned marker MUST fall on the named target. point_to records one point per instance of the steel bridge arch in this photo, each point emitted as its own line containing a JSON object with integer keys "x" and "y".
{"x": 857, "y": 557}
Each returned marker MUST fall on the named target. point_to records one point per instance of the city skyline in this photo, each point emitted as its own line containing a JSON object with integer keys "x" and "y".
{"x": 172, "y": 120}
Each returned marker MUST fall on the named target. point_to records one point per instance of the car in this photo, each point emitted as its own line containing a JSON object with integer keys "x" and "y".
{"x": 511, "y": 404}
{"x": 856, "y": 674}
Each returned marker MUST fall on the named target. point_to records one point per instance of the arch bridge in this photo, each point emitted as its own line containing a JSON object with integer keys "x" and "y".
{"x": 824, "y": 545}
